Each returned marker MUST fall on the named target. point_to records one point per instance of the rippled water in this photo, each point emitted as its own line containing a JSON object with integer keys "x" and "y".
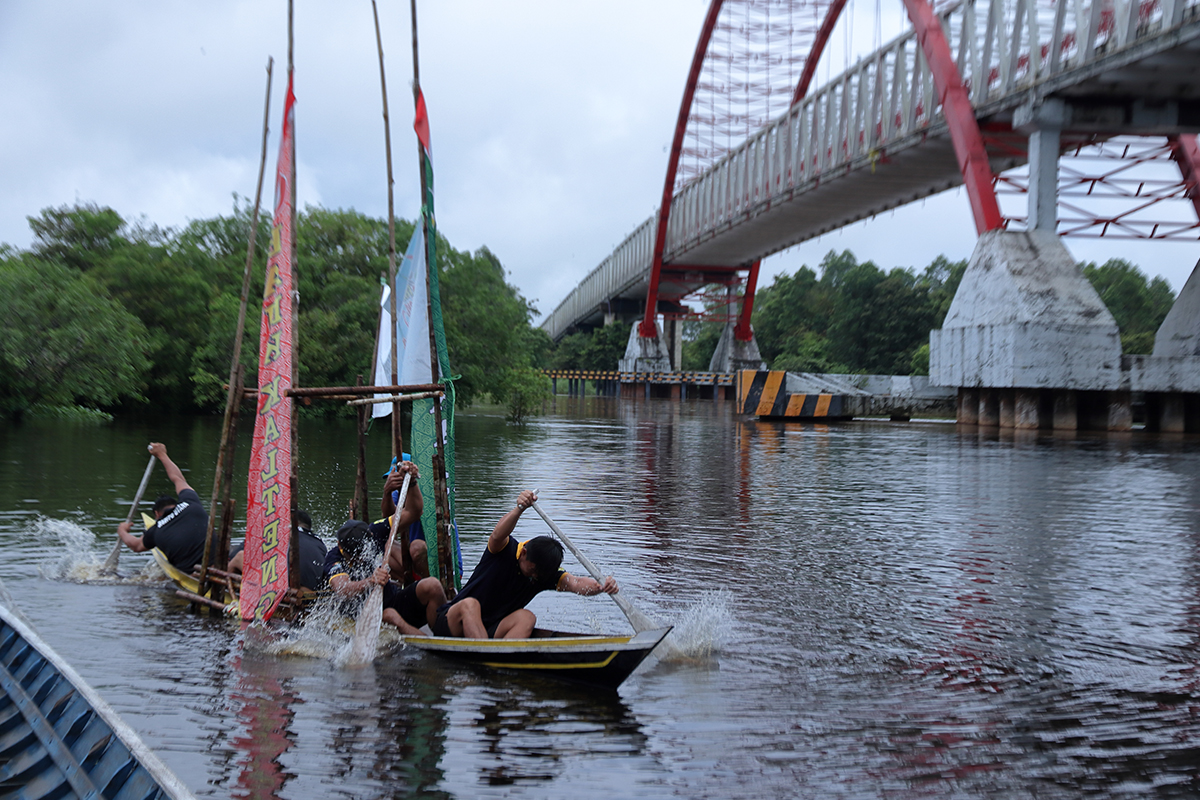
{"x": 874, "y": 609}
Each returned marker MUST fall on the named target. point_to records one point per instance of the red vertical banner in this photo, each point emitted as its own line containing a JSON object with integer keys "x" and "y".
{"x": 268, "y": 506}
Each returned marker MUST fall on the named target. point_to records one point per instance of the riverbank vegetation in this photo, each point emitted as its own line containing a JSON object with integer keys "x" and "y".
{"x": 121, "y": 317}
{"x": 107, "y": 314}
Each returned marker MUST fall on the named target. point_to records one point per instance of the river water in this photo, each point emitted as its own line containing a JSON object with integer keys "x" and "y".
{"x": 871, "y": 609}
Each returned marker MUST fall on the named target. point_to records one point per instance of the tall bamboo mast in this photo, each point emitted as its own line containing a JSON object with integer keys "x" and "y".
{"x": 397, "y": 446}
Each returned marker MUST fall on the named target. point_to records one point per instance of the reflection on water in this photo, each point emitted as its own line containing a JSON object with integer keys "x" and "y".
{"x": 880, "y": 610}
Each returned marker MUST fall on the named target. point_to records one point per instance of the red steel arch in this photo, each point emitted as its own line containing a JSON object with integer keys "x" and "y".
{"x": 952, "y": 94}
{"x": 647, "y": 329}
{"x": 959, "y": 116}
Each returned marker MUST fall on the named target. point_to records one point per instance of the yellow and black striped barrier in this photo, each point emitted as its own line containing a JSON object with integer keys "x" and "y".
{"x": 762, "y": 394}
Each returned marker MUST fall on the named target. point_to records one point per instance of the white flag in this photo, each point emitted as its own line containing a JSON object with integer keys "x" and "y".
{"x": 412, "y": 325}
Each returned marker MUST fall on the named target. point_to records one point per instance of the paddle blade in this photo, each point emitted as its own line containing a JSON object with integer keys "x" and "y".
{"x": 110, "y": 563}
{"x": 365, "y": 643}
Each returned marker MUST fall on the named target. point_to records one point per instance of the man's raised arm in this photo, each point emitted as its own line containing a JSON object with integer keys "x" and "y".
{"x": 174, "y": 474}
{"x": 504, "y": 528}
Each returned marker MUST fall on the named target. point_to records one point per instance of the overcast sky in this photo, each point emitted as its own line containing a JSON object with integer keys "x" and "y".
{"x": 550, "y": 124}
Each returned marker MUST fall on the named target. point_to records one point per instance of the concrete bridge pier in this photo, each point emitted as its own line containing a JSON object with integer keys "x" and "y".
{"x": 733, "y": 354}
{"x": 645, "y": 354}
{"x": 1029, "y": 337}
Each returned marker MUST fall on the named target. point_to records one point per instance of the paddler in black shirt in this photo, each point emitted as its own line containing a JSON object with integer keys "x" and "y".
{"x": 180, "y": 523}
{"x": 508, "y": 576}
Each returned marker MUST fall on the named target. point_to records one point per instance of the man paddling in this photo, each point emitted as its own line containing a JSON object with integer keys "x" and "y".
{"x": 508, "y": 576}
{"x": 351, "y": 572}
{"x": 180, "y": 524}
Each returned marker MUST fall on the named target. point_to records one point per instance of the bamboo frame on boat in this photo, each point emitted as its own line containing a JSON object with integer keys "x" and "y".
{"x": 358, "y": 396}
{"x": 396, "y": 398}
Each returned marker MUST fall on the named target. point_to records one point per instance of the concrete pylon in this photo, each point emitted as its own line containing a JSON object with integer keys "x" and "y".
{"x": 732, "y": 354}
{"x": 1025, "y": 316}
{"x": 644, "y": 354}
{"x": 1179, "y": 334}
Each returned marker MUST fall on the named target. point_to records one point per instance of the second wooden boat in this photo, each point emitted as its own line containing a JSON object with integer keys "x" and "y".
{"x": 596, "y": 660}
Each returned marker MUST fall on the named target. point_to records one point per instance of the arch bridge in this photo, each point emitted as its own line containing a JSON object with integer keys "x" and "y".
{"x": 990, "y": 94}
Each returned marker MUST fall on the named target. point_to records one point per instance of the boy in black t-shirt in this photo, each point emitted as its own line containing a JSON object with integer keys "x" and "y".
{"x": 180, "y": 524}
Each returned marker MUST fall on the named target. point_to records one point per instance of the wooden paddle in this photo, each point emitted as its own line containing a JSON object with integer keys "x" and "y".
{"x": 110, "y": 564}
{"x": 366, "y": 629}
{"x": 637, "y": 619}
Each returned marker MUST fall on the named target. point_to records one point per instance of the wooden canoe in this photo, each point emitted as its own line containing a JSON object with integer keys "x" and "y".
{"x": 59, "y": 739}
{"x": 596, "y": 660}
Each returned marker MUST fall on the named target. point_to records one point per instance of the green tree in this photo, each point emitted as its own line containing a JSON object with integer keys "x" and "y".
{"x": 1138, "y": 305}
{"x": 79, "y": 236}
{"x": 598, "y": 349}
{"x": 486, "y": 321}
{"x": 63, "y": 340}
{"x": 522, "y": 389}
{"x": 700, "y": 340}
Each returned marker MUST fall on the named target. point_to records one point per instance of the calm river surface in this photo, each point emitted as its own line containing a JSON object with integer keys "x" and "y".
{"x": 897, "y": 611}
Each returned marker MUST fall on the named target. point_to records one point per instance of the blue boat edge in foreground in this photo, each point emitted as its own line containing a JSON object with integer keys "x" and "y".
{"x": 595, "y": 660}
{"x": 59, "y": 738}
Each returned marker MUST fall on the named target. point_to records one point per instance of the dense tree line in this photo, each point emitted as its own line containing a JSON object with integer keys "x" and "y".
{"x": 102, "y": 313}
{"x": 852, "y": 317}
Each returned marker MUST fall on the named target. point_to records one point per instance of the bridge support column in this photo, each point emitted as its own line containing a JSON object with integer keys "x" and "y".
{"x": 1025, "y": 316}
{"x": 1028, "y": 409}
{"x": 733, "y": 354}
{"x": 968, "y": 406}
{"x": 645, "y": 353}
{"x": 989, "y": 408}
{"x": 1044, "y": 126}
{"x": 1006, "y": 401}
{"x": 1066, "y": 410}
{"x": 673, "y": 333}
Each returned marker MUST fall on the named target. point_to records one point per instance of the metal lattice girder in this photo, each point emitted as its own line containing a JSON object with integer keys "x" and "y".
{"x": 1125, "y": 187}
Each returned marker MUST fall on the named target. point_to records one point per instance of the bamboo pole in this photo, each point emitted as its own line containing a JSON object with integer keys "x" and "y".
{"x": 232, "y": 399}
{"x": 441, "y": 535}
{"x": 397, "y": 438}
{"x": 366, "y": 401}
{"x": 360, "y": 475}
{"x": 355, "y": 391}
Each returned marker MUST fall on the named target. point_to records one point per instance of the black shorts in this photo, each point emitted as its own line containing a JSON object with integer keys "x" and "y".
{"x": 441, "y": 627}
{"x": 405, "y": 602}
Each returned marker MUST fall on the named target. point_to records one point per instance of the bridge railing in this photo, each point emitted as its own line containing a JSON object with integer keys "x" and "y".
{"x": 1002, "y": 47}
{"x": 883, "y": 103}
{"x": 628, "y": 264}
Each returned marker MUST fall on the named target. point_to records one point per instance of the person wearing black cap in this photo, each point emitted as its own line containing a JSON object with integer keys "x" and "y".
{"x": 351, "y": 572}
{"x": 180, "y": 523}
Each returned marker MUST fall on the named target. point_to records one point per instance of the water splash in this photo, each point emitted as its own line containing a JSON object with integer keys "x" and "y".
{"x": 699, "y": 632}
{"x": 325, "y": 633}
{"x": 77, "y": 561}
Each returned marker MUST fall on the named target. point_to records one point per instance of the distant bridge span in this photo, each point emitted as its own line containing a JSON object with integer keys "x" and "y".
{"x": 950, "y": 101}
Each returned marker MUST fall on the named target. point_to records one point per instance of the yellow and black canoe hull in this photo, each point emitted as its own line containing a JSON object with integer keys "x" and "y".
{"x": 604, "y": 661}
